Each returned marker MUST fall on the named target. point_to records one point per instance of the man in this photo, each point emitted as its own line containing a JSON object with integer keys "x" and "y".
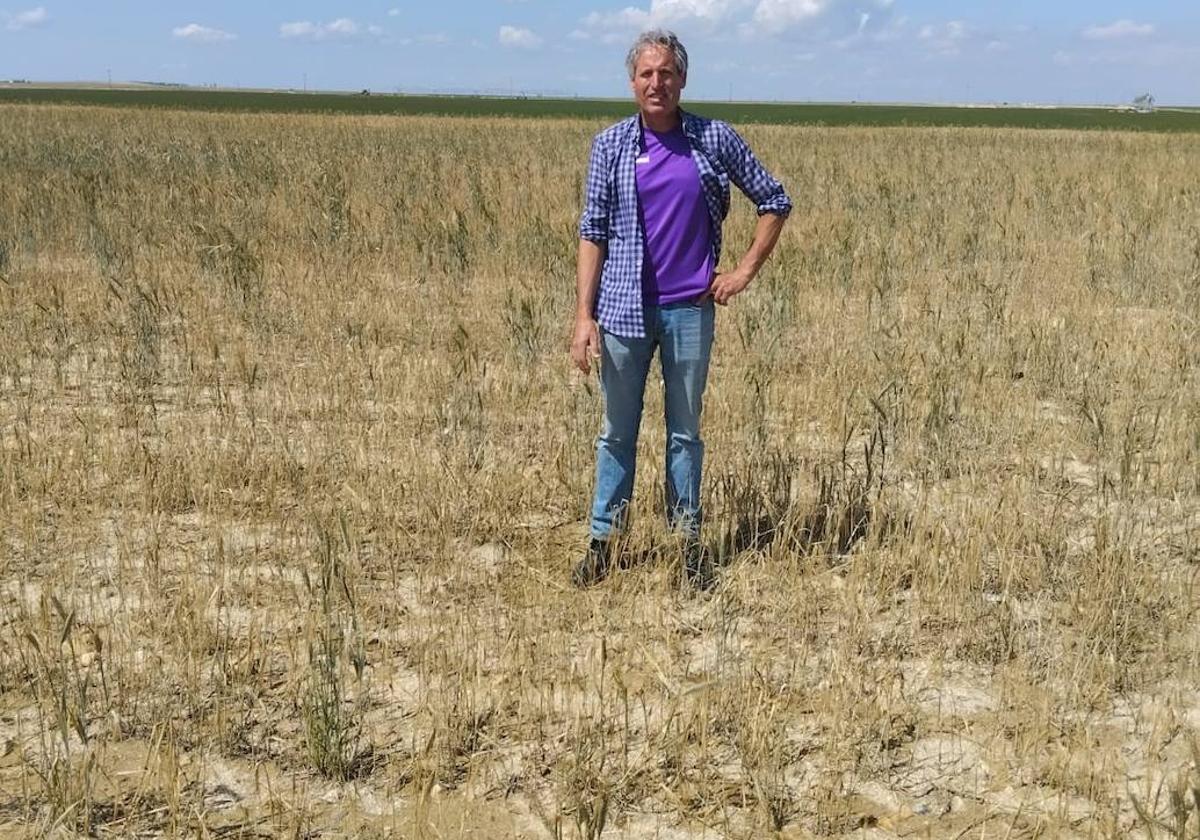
{"x": 650, "y": 242}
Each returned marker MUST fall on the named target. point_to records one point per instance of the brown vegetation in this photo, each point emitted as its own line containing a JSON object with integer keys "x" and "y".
{"x": 293, "y": 467}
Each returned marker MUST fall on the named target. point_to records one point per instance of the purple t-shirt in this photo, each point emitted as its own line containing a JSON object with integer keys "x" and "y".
{"x": 677, "y": 261}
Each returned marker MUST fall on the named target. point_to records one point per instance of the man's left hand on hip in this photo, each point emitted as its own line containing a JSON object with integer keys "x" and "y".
{"x": 725, "y": 285}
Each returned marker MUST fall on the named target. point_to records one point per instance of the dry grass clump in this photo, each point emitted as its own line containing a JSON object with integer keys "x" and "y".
{"x": 292, "y": 467}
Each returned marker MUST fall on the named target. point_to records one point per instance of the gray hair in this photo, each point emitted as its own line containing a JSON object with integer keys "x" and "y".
{"x": 657, "y": 38}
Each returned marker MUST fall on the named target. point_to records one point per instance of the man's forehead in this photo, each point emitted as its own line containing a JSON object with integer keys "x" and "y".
{"x": 655, "y": 55}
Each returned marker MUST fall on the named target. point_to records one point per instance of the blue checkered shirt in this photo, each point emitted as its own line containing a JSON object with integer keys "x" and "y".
{"x": 610, "y": 208}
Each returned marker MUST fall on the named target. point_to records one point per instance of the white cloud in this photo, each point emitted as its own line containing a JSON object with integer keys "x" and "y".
{"x": 751, "y": 18}
{"x": 341, "y": 28}
{"x": 876, "y": 29}
{"x": 707, "y": 11}
{"x": 778, "y": 15}
{"x": 706, "y": 14}
{"x": 201, "y": 34}
{"x": 27, "y": 19}
{"x": 954, "y": 30}
{"x": 613, "y": 26}
{"x": 946, "y": 38}
{"x": 1118, "y": 29}
{"x": 514, "y": 36}
{"x": 393, "y": 13}
{"x": 298, "y": 29}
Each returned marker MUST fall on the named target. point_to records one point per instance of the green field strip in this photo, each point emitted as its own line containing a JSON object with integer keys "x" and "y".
{"x": 851, "y": 114}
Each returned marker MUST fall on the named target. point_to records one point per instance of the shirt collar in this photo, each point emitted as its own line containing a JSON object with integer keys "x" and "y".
{"x": 687, "y": 122}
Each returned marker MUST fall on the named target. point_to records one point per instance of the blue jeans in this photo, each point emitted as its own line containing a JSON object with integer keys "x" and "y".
{"x": 683, "y": 335}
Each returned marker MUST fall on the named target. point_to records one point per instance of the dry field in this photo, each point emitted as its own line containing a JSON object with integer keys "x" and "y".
{"x": 293, "y": 466}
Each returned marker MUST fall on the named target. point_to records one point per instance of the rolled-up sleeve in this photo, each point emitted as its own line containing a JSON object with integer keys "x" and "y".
{"x": 752, "y": 178}
{"x": 593, "y": 221}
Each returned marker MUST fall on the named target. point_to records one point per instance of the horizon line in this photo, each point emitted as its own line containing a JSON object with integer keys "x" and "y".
{"x": 138, "y": 84}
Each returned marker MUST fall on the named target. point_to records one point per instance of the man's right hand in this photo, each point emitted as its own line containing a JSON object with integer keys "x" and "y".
{"x": 585, "y": 345}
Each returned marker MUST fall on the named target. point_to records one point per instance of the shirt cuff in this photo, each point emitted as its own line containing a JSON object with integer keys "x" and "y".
{"x": 782, "y": 207}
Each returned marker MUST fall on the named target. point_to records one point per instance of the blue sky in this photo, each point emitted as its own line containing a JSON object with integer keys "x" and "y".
{"x": 1068, "y": 51}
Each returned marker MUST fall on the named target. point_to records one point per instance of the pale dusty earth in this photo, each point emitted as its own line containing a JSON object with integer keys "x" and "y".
{"x": 958, "y": 779}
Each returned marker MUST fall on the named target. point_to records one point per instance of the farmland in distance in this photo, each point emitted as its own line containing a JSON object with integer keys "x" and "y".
{"x": 769, "y": 113}
{"x": 293, "y": 467}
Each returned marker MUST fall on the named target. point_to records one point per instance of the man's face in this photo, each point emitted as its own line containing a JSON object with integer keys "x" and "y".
{"x": 656, "y": 82}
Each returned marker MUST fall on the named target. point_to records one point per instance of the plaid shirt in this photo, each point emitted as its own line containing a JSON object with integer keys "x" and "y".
{"x": 610, "y": 209}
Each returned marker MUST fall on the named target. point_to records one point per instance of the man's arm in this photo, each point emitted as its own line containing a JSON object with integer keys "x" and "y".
{"x": 729, "y": 283}
{"x": 773, "y": 206}
{"x": 593, "y": 247}
{"x": 585, "y": 343}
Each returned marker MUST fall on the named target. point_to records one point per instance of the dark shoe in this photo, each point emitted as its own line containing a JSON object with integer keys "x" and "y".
{"x": 698, "y": 566}
{"x": 593, "y": 568}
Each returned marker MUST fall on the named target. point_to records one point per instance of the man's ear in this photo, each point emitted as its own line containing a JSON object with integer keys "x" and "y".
{"x": 683, "y": 81}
